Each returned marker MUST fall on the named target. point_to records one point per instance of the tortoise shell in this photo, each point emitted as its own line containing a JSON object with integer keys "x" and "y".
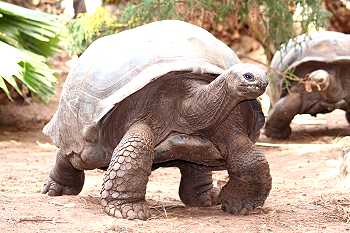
{"x": 116, "y": 66}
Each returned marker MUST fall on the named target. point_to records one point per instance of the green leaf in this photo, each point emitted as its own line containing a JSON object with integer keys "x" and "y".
{"x": 12, "y": 82}
{"x": 13, "y": 10}
{"x": 4, "y": 88}
{"x": 27, "y": 38}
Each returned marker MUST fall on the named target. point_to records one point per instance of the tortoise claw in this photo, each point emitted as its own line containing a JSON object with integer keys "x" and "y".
{"x": 52, "y": 188}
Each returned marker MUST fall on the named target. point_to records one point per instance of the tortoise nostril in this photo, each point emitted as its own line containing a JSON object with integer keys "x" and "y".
{"x": 249, "y": 76}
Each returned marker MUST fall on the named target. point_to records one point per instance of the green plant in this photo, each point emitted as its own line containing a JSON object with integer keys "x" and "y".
{"x": 82, "y": 31}
{"x": 27, "y": 39}
{"x": 271, "y": 22}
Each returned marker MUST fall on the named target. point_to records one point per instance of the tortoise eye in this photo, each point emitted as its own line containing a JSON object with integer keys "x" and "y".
{"x": 248, "y": 76}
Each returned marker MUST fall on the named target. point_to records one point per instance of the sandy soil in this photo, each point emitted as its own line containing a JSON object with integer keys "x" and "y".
{"x": 305, "y": 196}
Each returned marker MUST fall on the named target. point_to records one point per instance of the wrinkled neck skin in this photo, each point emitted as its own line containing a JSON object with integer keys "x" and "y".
{"x": 208, "y": 105}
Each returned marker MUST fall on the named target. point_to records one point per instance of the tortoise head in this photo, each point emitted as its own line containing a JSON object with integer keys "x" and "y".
{"x": 90, "y": 133}
{"x": 246, "y": 80}
{"x": 320, "y": 79}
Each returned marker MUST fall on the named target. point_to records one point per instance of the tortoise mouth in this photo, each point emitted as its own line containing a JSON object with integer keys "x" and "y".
{"x": 251, "y": 90}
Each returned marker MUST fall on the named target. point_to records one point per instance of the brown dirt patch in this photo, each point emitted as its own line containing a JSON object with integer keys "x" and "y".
{"x": 305, "y": 196}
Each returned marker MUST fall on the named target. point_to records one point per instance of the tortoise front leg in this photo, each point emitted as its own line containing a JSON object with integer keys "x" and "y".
{"x": 124, "y": 186}
{"x": 281, "y": 115}
{"x": 250, "y": 179}
{"x": 64, "y": 179}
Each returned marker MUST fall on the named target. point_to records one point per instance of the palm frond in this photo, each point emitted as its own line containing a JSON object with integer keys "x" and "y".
{"x": 27, "y": 39}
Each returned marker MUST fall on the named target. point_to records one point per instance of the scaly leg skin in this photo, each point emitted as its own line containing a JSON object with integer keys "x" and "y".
{"x": 196, "y": 186}
{"x": 64, "y": 179}
{"x": 250, "y": 179}
{"x": 279, "y": 119}
{"x": 124, "y": 186}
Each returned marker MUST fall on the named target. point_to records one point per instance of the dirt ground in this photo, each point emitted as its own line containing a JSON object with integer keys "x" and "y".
{"x": 306, "y": 196}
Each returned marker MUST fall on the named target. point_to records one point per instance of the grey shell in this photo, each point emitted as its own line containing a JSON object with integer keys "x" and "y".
{"x": 324, "y": 46}
{"x": 116, "y": 66}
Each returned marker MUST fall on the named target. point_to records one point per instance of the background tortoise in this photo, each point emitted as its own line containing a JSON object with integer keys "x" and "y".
{"x": 167, "y": 85}
{"x": 321, "y": 61}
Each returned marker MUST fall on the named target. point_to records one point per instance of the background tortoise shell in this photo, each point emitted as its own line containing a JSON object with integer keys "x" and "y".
{"x": 324, "y": 46}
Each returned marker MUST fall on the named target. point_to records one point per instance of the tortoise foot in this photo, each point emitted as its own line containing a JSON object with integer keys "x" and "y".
{"x": 136, "y": 210}
{"x": 240, "y": 206}
{"x": 277, "y": 133}
{"x": 53, "y": 188}
{"x": 240, "y": 202}
{"x": 205, "y": 199}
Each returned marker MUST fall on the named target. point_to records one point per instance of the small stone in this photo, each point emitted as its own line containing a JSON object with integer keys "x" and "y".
{"x": 115, "y": 195}
{"x": 127, "y": 159}
{"x": 130, "y": 148}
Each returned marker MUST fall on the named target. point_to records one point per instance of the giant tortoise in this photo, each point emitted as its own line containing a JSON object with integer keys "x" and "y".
{"x": 311, "y": 75}
{"x": 164, "y": 94}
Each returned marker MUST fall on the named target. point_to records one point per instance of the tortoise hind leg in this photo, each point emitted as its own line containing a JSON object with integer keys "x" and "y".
{"x": 281, "y": 115}
{"x": 124, "y": 186}
{"x": 196, "y": 186}
{"x": 64, "y": 179}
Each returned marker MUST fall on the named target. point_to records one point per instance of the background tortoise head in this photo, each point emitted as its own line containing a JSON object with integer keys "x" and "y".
{"x": 320, "y": 79}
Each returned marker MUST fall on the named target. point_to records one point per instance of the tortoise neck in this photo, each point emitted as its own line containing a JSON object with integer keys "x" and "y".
{"x": 210, "y": 104}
